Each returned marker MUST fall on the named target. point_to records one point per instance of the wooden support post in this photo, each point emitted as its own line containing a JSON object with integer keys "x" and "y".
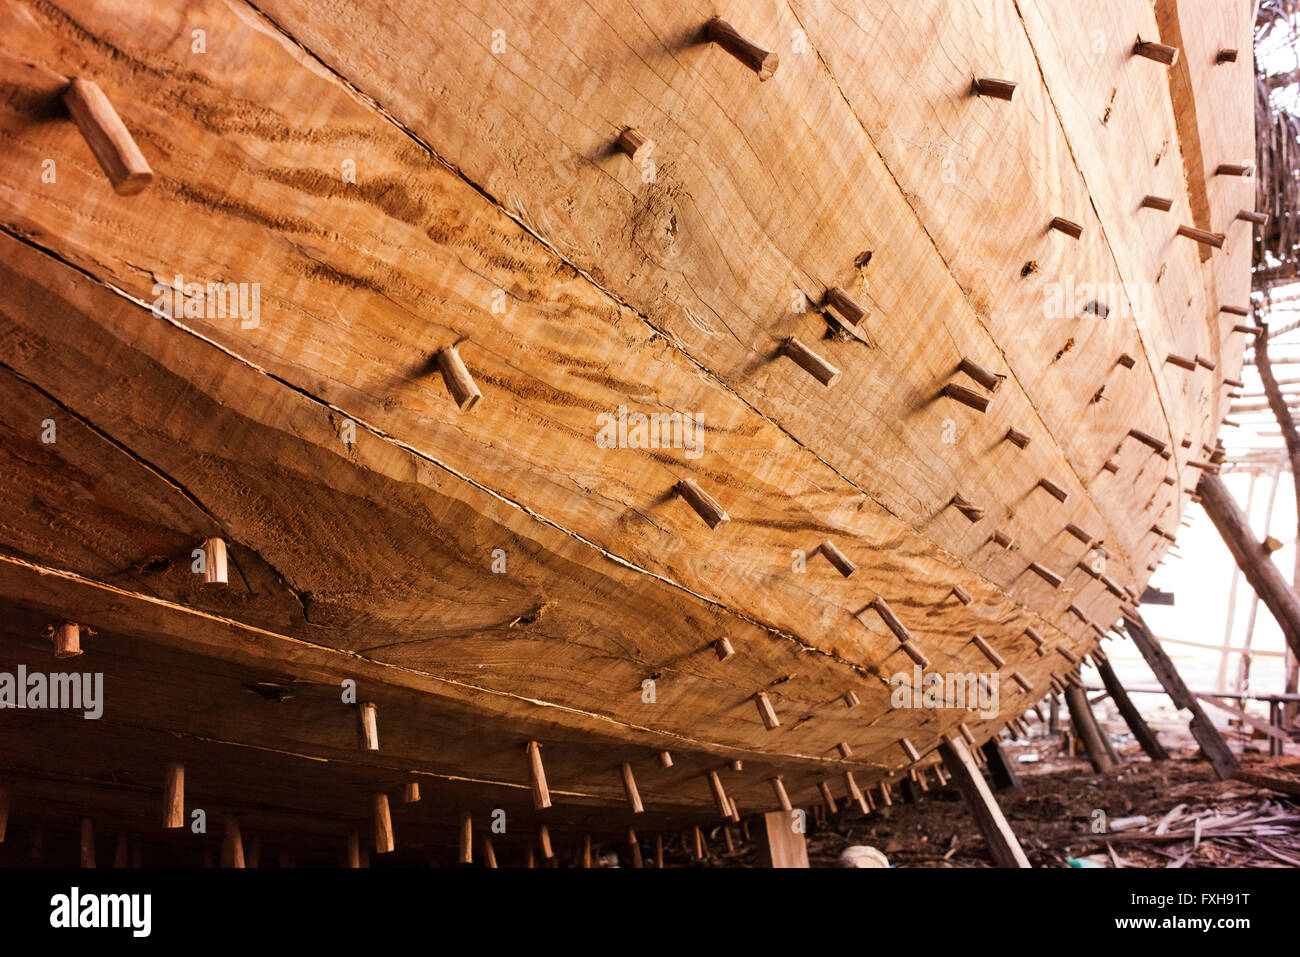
{"x": 1251, "y": 556}
{"x": 67, "y": 640}
{"x": 232, "y": 843}
{"x": 629, "y": 788}
{"x": 457, "y": 379}
{"x": 368, "y": 726}
{"x": 174, "y": 796}
{"x": 1141, "y": 730}
{"x": 634, "y": 848}
{"x": 352, "y": 852}
{"x": 87, "y": 843}
{"x": 659, "y": 851}
{"x": 107, "y": 136}
{"x": 1206, "y": 734}
{"x": 1085, "y": 728}
{"x": 719, "y": 794}
{"x": 703, "y": 503}
{"x": 1001, "y": 770}
{"x": 762, "y": 62}
{"x": 383, "y": 825}
{"x": 911, "y": 791}
{"x": 1003, "y": 846}
{"x": 778, "y": 843}
{"x": 537, "y": 776}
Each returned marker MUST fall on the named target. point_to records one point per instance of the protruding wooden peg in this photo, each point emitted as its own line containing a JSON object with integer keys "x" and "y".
{"x": 585, "y": 856}
{"x": 913, "y": 652}
{"x": 1150, "y": 441}
{"x": 1110, "y": 466}
{"x": 810, "y": 362}
{"x": 700, "y": 848}
{"x": 253, "y": 855}
{"x": 1157, "y": 202}
{"x": 736, "y": 765}
{"x": 1248, "y": 330}
{"x": 1088, "y": 570}
{"x": 909, "y": 749}
{"x": 827, "y": 797}
{"x": 762, "y": 62}
{"x": 983, "y": 376}
{"x": 844, "y": 749}
{"x": 383, "y": 825}
{"x": 1079, "y": 533}
{"x": 1156, "y": 529}
{"x": 987, "y": 651}
{"x": 1202, "y": 236}
{"x": 1160, "y": 52}
{"x": 703, "y": 504}
{"x": 352, "y": 850}
{"x": 537, "y": 776}
{"x": 1036, "y": 638}
{"x": 766, "y": 711}
{"x": 1181, "y": 361}
{"x": 1252, "y": 216}
{"x": 1112, "y": 586}
{"x": 1077, "y": 612}
{"x": 1126, "y": 360}
{"x": 1052, "y": 489}
{"x": 855, "y": 792}
{"x": 782, "y": 798}
{"x": 1225, "y": 56}
{"x": 1056, "y": 684}
{"x": 411, "y": 792}
{"x": 961, "y": 595}
{"x": 1017, "y": 438}
{"x": 665, "y": 759}
{"x": 881, "y": 608}
{"x": 634, "y": 847}
{"x": 719, "y": 794}
{"x": 1063, "y": 225}
{"x": 1068, "y": 655}
{"x": 67, "y": 639}
{"x": 968, "y": 397}
{"x": 457, "y": 379}
{"x": 489, "y": 853}
{"x": 967, "y": 508}
{"x": 530, "y": 857}
{"x": 1002, "y": 539}
{"x": 214, "y": 562}
{"x": 232, "y": 843}
{"x": 465, "y": 847}
{"x": 1235, "y": 311}
{"x": 107, "y": 136}
{"x": 1234, "y": 169}
{"x": 368, "y": 726}
{"x": 1046, "y": 574}
{"x": 845, "y": 305}
{"x": 635, "y": 144}
{"x": 1025, "y": 686}
{"x": 851, "y": 699}
{"x": 1168, "y": 480}
{"x": 629, "y": 788}
{"x": 722, "y": 648}
{"x": 965, "y": 733}
{"x": 174, "y": 796}
{"x": 997, "y": 89}
{"x": 886, "y": 800}
{"x": 837, "y": 558}
{"x": 87, "y": 843}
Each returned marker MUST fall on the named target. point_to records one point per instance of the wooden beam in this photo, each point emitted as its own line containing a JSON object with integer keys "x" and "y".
{"x": 1141, "y": 730}
{"x": 1003, "y": 846}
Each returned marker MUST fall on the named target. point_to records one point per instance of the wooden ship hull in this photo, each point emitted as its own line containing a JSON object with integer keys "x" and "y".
{"x": 491, "y": 372}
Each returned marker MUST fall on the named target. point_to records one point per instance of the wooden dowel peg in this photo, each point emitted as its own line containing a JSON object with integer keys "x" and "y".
{"x": 1126, "y": 360}
{"x": 766, "y": 711}
{"x": 1078, "y": 533}
{"x": 214, "y": 562}
{"x": 844, "y": 749}
{"x": 702, "y": 503}
{"x": 1052, "y": 489}
{"x": 1234, "y": 169}
{"x": 383, "y": 825}
{"x": 827, "y": 797}
{"x": 457, "y": 379}
{"x": 544, "y": 841}
{"x": 983, "y": 376}
{"x": 1077, "y": 612}
{"x": 987, "y": 651}
{"x": 174, "y": 796}
{"x": 585, "y": 857}
{"x": 997, "y": 89}
{"x": 107, "y": 136}
{"x": 1035, "y": 637}
{"x": 1110, "y": 466}
{"x": 1251, "y": 216}
{"x": 1017, "y": 438}
{"x": 465, "y": 832}
{"x": 837, "y": 558}
{"x": 810, "y": 362}
{"x": 845, "y": 305}
{"x": 67, "y": 639}
{"x": 232, "y": 843}
{"x": 961, "y": 595}
{"x": 1088, "y": 570}
{"x": 1225, "y": 56}
{"x": 629, "y": 788}
{"x": 851, "y": 699}
{"x": 967, "y": 397}
{"x": 1112, "y": 586}
{"x": 665, "y": 759}
{"x": 1068, "y": 655}
{"x": 1248, "y": 330}
{"x": 1235, "y": 310}
{"x": 411, "y": 792}
{"x": 635, "y": 144}
{"x": 967, "y": 508}
{"x": 1002, "y": 539}
{"x": 965, "y": 733}
{"x": 909, "y": 749}
{"x": 881, "y": 608}
{"x": 634, "y": 847}
{"x": 1063, "y": 225}
{"x": 87, "y": 843}
{"x": 537, "y": 776}
{"x": 762, "y": 62}
{"x": 659, "y": 851}
{"x": 1025, "y": 686}
{"x": 1150, "y": 441}
{"x": 1157, "y": 202}
{"x": 886, "y": 800}
{"x": 352, "y": 850}
{"x": 722, "y": 648}
{"x": 915, "y": 654}
{"x": 368, "y": 726}
{"x": 719, "y": 794}
{"x": 736, "y": 765}
{"x": 698, "y": 842}
{"x": 1046, "y": 574}
{"x": 1181, "y": 361}
{"x": 1202, "y": 236}
{"x": 489, "y": 853}
{"x": 782, "y": 798}
{"x": 1160, "y": 52}
{"x": 1056, "y": 684}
